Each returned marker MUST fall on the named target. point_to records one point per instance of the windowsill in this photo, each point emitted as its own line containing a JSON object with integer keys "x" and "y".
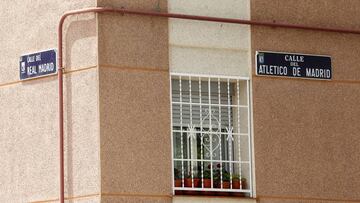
{"x": 211, "y": 199}
{"x": 211, "y": 193}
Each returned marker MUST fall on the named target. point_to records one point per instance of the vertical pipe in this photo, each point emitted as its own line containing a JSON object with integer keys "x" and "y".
{"x": 61, "y": 143}
{"x": 61, "y": 110}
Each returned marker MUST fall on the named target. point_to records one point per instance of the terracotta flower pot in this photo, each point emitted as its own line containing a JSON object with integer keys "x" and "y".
{"x": 207, "y": 183}
{"x": 236, "y": 184}
{"x": 177, "y": 183}
{"x": 243, "y": 184}
{"x": 188, "y": 182}
{"x": 226, "y": 185}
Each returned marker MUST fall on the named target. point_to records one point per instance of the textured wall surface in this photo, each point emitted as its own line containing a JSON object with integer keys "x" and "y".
{"x": 306, "y": 132}
{"x": 28, "y": 27}
{"x": 135, "y": 129}
{"x": 134, "y": 105}
{"x": 134, "y": 199}
{"x": 118, "y": 116}
{"x": 132, "y": 41}
{"x": 207, "y": 47}
{"x": 29, "y": 112}
{"x": 308, "y": 12}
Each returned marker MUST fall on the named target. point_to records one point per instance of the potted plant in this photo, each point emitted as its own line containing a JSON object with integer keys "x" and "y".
{"x": 188, "y": 180}
{"x": 243, "y": 183}
{"x": 216, "y": 176}
{"x": 237, "y": 182}
{"x": 226, "y": 180}
{"x": 207, "y": 179}
{"x": 177, "y": 177}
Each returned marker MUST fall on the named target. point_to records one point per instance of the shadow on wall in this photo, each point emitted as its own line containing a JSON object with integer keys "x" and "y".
{"x": 80, "y": 40}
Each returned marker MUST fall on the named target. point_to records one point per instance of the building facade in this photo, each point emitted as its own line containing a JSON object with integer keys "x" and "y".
{"x": 172, "y": 110}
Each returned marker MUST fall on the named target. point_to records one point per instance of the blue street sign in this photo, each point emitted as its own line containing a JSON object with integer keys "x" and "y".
{"x": 293, "y": 65}
{"x": 38, "y": 64}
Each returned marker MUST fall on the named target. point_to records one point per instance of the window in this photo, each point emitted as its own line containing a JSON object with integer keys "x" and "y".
{"x": 211, "y": 134}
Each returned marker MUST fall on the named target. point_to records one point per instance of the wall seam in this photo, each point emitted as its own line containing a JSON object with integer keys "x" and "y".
{"x": 306, "y": 198}
{"x": 80, "y": 197}
{"x": 308, "y": 80}
{"x": 133, "y": 69}
{"x": 45, "y": 77}
{"x": 213, "y": 48}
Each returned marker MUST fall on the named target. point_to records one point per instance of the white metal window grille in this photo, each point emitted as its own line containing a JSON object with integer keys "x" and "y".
{"x": 211, "y": 133}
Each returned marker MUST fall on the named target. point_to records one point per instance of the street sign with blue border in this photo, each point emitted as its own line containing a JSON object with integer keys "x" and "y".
{"x": 38, "y": 64}
{"x": 293, "y": 65}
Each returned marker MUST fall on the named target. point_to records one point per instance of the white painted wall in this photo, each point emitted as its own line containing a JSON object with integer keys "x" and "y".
{"x": 207, "y": 47}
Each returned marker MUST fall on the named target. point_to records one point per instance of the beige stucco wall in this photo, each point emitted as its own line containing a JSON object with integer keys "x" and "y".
{"x": 118, "y": 116}
{"x": 207, "y": 47}
{"x": 306, "y": 131}
{"x": 133, "y": 41}
{"x": 28, "y": 27}
{"x": 29, "y": 112}
{"x": 135, "y": 142}
{"x": 134, "y": 105}
{"x": 131, "y": 86}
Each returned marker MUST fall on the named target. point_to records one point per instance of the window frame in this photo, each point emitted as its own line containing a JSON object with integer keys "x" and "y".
{"x": 186, "y": 77}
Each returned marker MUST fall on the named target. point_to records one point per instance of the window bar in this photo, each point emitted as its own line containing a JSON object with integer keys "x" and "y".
{"x": 191, "y": 134}
{"x": 181, "y": 137}
{"x": 223, "y": 133}
{"x": 188, "y": 162}
{"x": 224, "y": 161}
{"x": 210, "y": 135}
{"x": 249, "y": 130}
{"x": 222, "y": 105}
{"x": 188, "y": 152}
{"x": 229, "y": 129}
{"x": 201, "y": 136}
{"x": 221, "y": 165}
{"x": 231, "y": 139}
{"x": 238, "y": 126}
